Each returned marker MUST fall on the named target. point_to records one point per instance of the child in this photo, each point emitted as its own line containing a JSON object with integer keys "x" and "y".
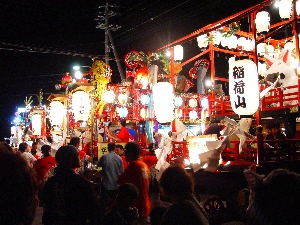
{"x": 122, "y": 213}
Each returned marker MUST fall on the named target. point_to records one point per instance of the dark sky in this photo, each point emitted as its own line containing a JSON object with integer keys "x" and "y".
{"x": 40, "y": 40}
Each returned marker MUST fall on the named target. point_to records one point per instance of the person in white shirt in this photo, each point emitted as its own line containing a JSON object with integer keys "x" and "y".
{"x": 25, "y": 152}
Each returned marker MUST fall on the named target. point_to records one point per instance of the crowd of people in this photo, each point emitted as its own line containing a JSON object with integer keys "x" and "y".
{"x": 125, "y": 197}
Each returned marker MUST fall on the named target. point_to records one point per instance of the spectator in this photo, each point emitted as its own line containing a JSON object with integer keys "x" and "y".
{"x": 68, "y": 197}
{"x": 138, "y": 174}
{"x": 24, "y": 150}
{"x": 121, "y": 153}
{"x": 178, "y": 186}
{"x": 123, "y": 135}
{"x": 33, "y": 150}
{"x": 275, "y": 134}
{"x": 4, "y": 148}
{"x": 122, "y": 213}
{"x": 18, "y": 195}
{"x": 75, "y": 141}
{"x": 274, "y": 200}
{"x": 112, "y": 167}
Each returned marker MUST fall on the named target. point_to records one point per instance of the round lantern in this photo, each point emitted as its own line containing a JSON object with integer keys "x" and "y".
{"x": 122, "y": 98}
{"x": 66, "y": 79}
{"x": 225, "y": 42}
{"x": 178, "y": 101}
{"x": 81, "y": 105}
{"x": 298, "y": 7}
{"x": 57, "y": 113}
{"x": 202, "y": 41}
{"x": 231, "y": 60}
{"x": 261, "y": 49}
{"x": 271, "y": 51}
{"x": 109, "y": 96}
{"x": 262, "y": 21}
{"x": 232, "y": 42}
{"x": 193, "y": 115}
{"x": 143, "y": 113}
{"x": 163, "y": 99}
{"x": 241, "y": 42}
{"x": 285, "y": 9}
{"x": 178, "y": 52}
{"x": 123, "y": 112}
{"x": 248, "y": 45}
{"x": 144, "y": 81}
{"x": 289, "y": 46}
{"x": 145, "y": 99}
{"x": 217, "y": 37}
{"x": 193, "y": 103}
{"x": 178, "y": 113}
{"x": 243, "y": 87}
{"x": 261, "y": 67}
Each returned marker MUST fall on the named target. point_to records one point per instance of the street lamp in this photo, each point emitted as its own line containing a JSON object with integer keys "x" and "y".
{"x": 78, "y": 74}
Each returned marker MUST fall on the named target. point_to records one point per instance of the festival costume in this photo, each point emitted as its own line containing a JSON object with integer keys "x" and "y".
{"x": 123, "y": 134}
{"x": 42, "y": 166}
{"x": 138, "y": 174}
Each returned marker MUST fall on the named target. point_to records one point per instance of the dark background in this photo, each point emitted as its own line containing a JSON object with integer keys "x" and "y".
{"x": 40, "y": 40}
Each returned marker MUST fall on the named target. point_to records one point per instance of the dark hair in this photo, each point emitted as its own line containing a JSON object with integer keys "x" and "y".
{"x": 111, "y": 146}
{"x": 119, "y": 146}
{"x": 67, "y": 157}
{"x": 5, "y": 148}
{"x": 272, "y": 125}
{"x": 34, "y": 143}
{"x": 23, "y": 146}
{"x": 74, "y": 141}
{"x": 276, "y": 200}
{"x": 18, "y": 195}
{"x": 176, "y": 181}
{"x": 129, "y": 190}
{"x": 157, "y": 212}
{"x": 134, "y": 148}
{"x": 123, "y": 123}
{"x": 33, "y": 151}
{"x": 45, "y": 149}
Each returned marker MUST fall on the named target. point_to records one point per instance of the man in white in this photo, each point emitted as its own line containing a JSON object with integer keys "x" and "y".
{"x": 25, "y": 152}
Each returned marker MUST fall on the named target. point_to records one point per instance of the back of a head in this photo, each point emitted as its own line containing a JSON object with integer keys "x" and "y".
{"x": 74, "y": 141}
{"x": 5, "y": 148}
{"x": 176, "y": 181}
{"x": 45, "y": 149}
{"x": 133, "y": 148}
{"x": 120, "y": 146}
{"x": 18, "y": 195}
{"x": 127, "y": 193}
{"x": 157, "y": 213}
{"x": 67, "y": 157}
{"x": 277, "y": 199}
{"x": 123, "y": 123}
{"x": 23, "y": 147}
{"x": 111, "y": 146}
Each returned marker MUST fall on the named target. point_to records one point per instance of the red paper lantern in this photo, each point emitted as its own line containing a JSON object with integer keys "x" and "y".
{"x": 66, "y": 79}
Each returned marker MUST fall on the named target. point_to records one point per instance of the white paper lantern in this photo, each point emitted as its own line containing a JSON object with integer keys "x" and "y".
{"x": 243, "y": 87}
{"x": 231, "y": 60}
{"x": 271, "y": 51}
{"x": 241, "y": 42}
{"x": 122, "y": 111}
{"x": 163, "y": 99}
{"x": 57, "y": 113}
{"x": 232, "y": 42}
{"x": 262, "y": 21}
{"x": 178, "y": 52}
{"x": 248, "y": 45}
{"x": 109, "y": 96}
{"x": 298, "y": 7}
{"x": 217, "y": 37}
{"x": 122, "y": 98}
{"x": 261, "y": 67}
{"x": 193, "y": 115}
{"x": 202, "y": 41}
{"x": 145, "y": 99}
{"x": 285, "y": 9}
{"x": 36, "y": 121}
{"x": 261, "y": 49}
{"x": 178, "y": 101}
{"x": 225, "y": 42}
{"x": 289, "y": 46}
{"x": 193, "y": 103}
{"x": 81, "y": 105}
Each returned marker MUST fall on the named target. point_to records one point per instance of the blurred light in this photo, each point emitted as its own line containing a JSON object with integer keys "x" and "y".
{"x": 78, "y": 74}
{"x": 208, "y": 83}
{"x": 178, "y": 101}
{"x": 76, "y": 68}
{"x": 145, "y": 99}
{"x": 168, "y": 53}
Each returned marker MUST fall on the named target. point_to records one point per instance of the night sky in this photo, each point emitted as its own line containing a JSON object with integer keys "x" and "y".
{"x": 40, "y": 40}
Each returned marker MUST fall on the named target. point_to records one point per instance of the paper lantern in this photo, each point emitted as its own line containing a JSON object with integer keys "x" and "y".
{"x": 262, "y": 21}
{"x": 145, "y": 99}
{"x": 217, "y": 37}
{"x": 178, "y": 52}
{"x": 271, "y": 51}
{"x": 178, "y": 113}
{"x": 123, "y": 112}
{"x": 232, "y": 42}
{"x": 36, "y": 121}
{"x": 57, "y": 113}
{"x": 248, "y": 45}
{"x": 193, "y": 115}
{"x": 225, "y": 42}
{"x": 109, "y": 96}
{"x": 143, "y": 113}
{"x": 202, "y": 41}
{"x": 122, "y": 98}
{"x": 261, "y": 49}
{"x": 231, "y": 60}
{"x": 193, "y": 103}
{"x": 285, "y": 9}
{"x": 289, "y": 46}
{"x": 144, "y": 81}
{"x": 163, "y": 99}
{"x": 81, "y": 105}
{"x": 243, "y": 87}
{"x": 241, "y": 42}
{"x": 178, "y": 101}
{"x": 298, "y": 7}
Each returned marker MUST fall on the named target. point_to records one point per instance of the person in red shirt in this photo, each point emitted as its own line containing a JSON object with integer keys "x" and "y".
{"x": 138, "y": 174}
{"x": 120, "y": 152}
{"x": 44, "y": 164}
{"x": 34, "y": 150}
{"x": 123, "y": 135}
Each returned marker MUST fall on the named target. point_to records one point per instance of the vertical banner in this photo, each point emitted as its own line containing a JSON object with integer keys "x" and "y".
{"x": 36, "y": 124}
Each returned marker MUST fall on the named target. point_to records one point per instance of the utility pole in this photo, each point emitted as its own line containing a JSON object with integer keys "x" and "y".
{"x": 104, "y": 16}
